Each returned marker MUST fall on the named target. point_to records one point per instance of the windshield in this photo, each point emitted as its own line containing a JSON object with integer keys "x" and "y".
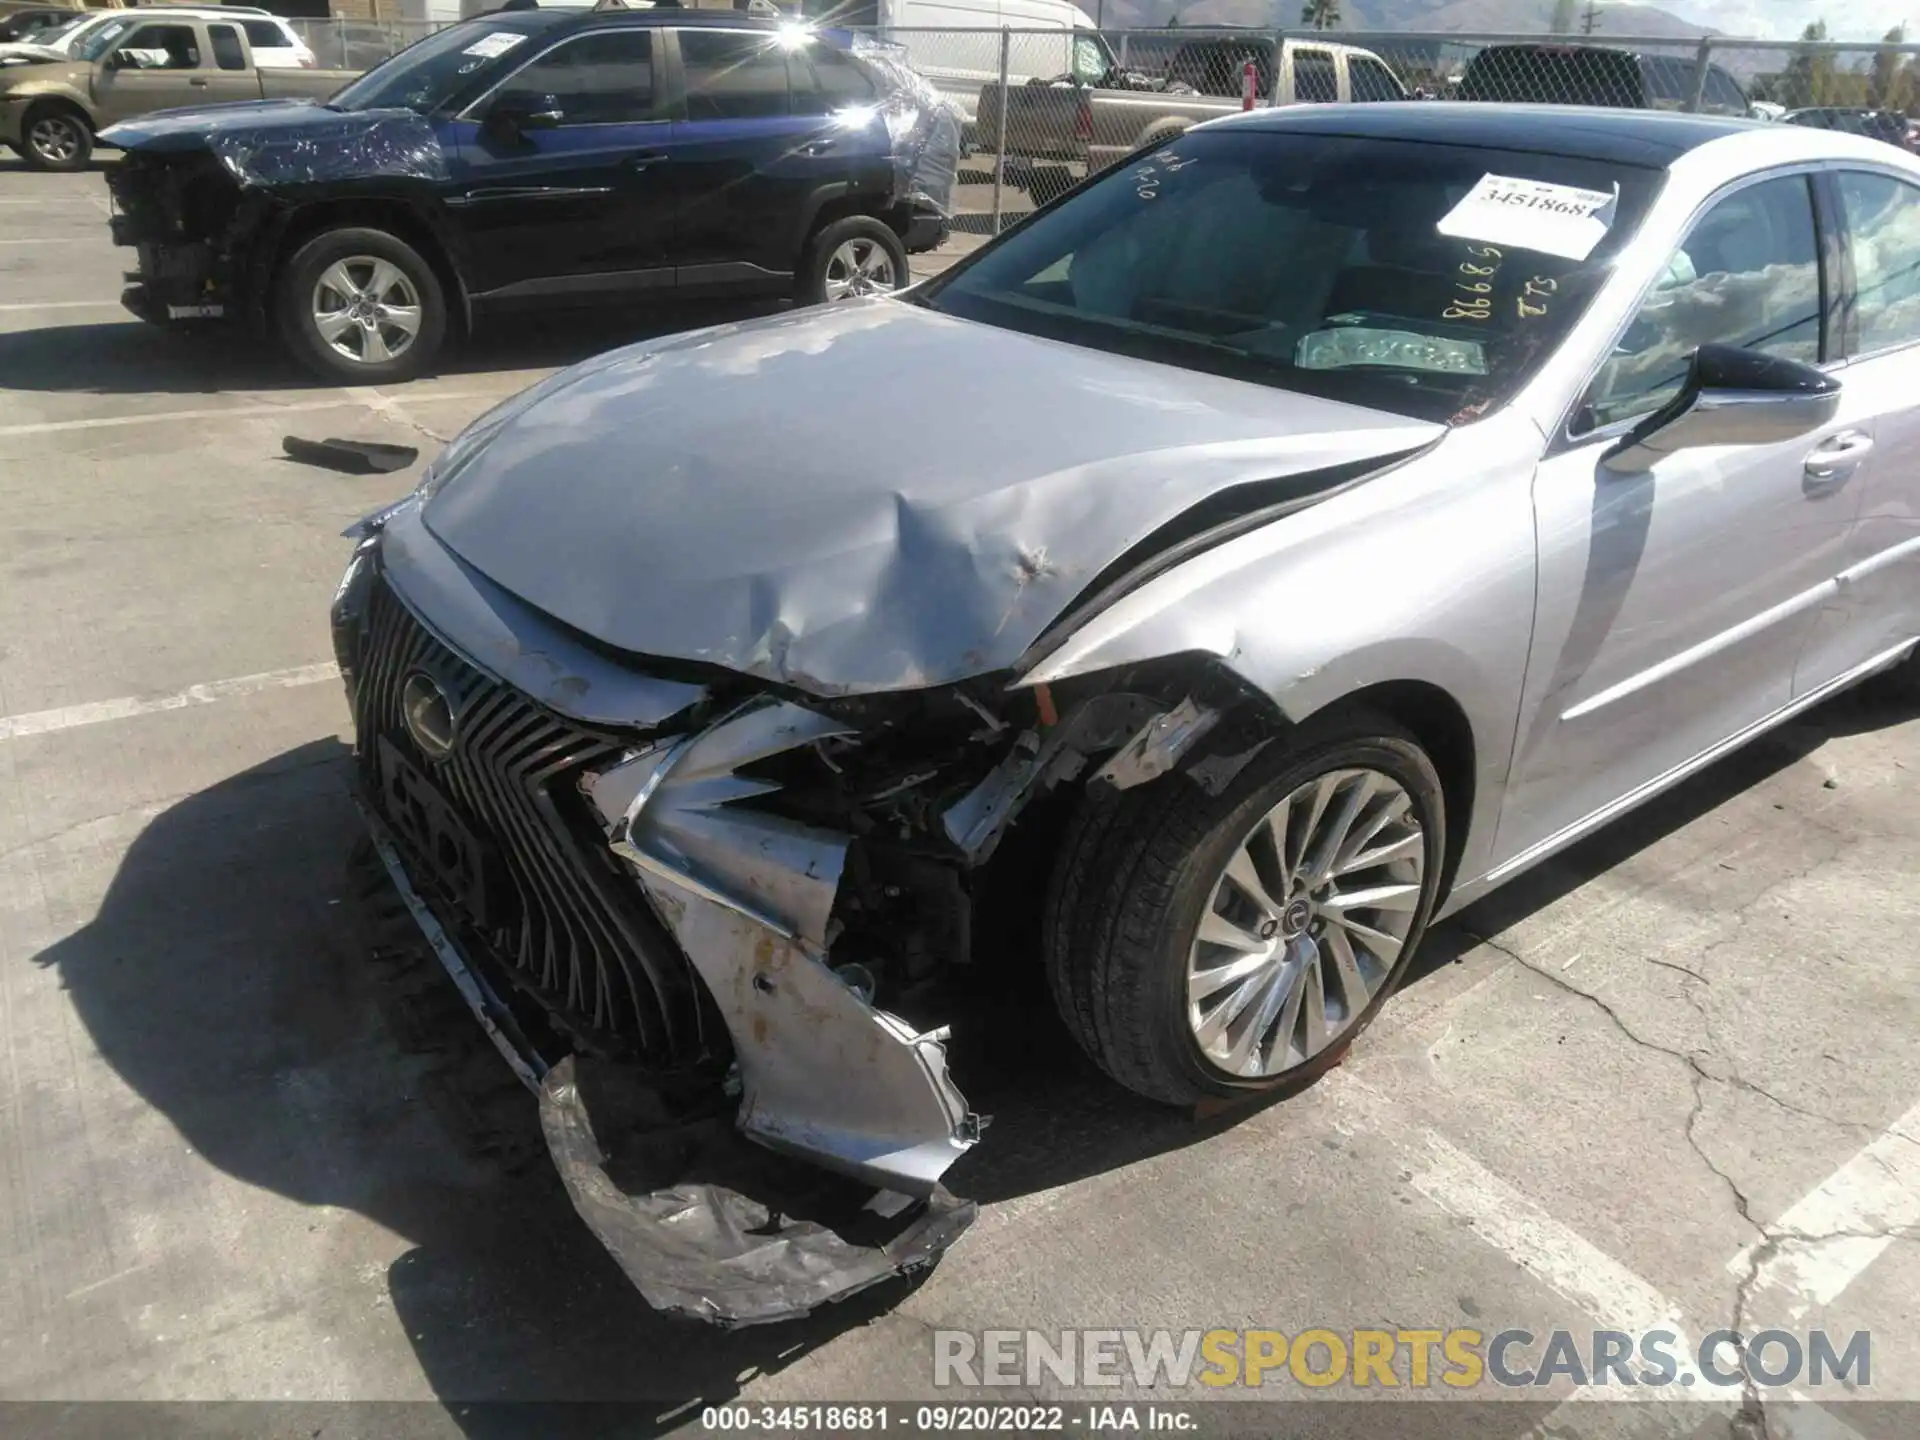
{"x": 93, "y": 46}
{"x": 430, "y": 72}
{"x": 1428, "y": 280}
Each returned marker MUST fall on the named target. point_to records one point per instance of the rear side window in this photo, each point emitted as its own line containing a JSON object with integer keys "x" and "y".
{"x": 603, "y": 79}
{"x": 733, "y": 76}
{"x": 1370, "y": 80}
{"x": 228, "y": 53}
{"x": 265, "y": 35}
{"x": 826, "y": 79}
{"x": 1314, "y": 80}
{"x": 1883, "y": 230}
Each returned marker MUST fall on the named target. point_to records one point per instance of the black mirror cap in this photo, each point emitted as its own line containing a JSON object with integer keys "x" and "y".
{"x": 1728, "y": 367}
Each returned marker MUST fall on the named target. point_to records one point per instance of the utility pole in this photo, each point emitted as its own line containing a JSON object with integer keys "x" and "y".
{"x": 1590, "y": 21}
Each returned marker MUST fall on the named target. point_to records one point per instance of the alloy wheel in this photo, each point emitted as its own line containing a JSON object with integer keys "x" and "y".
{"x": 56, "y": 139}
{"x": 1306, "y": 923}
{"x": 860, "y": 266}
{"x": 366, "y": 309}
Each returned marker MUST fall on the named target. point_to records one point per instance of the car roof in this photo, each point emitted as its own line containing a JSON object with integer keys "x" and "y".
{"x": 554, "y": 18}
{"x": 1649, "y": 138}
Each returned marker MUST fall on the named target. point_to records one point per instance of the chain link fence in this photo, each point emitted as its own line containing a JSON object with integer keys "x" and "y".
{"x": 1045, "y": 108}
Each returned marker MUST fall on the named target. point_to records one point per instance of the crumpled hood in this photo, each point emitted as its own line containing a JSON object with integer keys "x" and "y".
{"x": 290, "y": 143}
{"x": 866, "y": 497}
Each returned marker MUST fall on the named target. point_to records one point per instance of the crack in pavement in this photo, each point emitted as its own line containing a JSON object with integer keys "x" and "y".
{"x": 1749, "y": 1421}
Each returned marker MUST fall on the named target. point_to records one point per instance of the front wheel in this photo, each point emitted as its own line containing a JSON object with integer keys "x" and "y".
{"x": 851, "y": 258}
{"x": 361, "y": 307}
{"x": 1203, "y": 947}
{"x": 54, "y": 137}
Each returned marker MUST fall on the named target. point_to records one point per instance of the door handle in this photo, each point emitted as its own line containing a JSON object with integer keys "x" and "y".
{"x": 818, "y": 147}
{"x": 198, "y": 84}
{"x": 645, "y": 160}
{"x": 1831, "y": 463}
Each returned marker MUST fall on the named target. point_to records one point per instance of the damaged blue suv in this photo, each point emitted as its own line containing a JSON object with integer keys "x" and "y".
{"x": 537, "y": 159}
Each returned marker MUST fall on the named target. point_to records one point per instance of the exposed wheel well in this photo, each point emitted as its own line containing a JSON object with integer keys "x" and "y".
{"x": 395, "y": 217}
{"x": 57, "y": 104}
{"x": 895, "y": 217}
{"x": 1445, "y": 733}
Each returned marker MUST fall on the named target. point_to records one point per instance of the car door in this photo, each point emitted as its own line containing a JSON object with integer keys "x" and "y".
{"x": 158, "y": 65}
{"x": 233, "y": 75}
{"x": 560, "y": 183}
{"x": 1673, "y": 603}
{"x": 749, "y": 163}
{"x": 1877, "y": 606}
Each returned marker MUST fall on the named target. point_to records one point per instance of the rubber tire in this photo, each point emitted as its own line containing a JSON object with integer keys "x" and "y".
{"x": 1135, "y": 871}
{"x": 810, "y": 284}
{"x": 34, "y": 160}
{"x": 297, "y": 332}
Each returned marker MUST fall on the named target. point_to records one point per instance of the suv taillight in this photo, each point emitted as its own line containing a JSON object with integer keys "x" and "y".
{"x": 1083, "y": 120}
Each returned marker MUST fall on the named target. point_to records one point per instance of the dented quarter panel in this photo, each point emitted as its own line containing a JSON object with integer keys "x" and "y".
{"x": 712, "y": 508}
{"x": 1425, "y": 574}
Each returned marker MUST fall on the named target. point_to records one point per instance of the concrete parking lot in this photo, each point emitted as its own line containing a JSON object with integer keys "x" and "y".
{"x": 249, "y": 1151}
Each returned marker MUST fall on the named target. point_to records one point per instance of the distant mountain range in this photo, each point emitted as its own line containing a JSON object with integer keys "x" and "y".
{"x": 1526, "y": 16}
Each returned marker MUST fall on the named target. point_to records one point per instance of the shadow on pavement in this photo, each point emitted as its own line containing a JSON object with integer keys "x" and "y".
{"x": 229, "y": 978}
{"x": 128, "y": 357}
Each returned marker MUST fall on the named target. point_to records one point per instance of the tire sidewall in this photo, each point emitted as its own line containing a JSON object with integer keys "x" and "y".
{"x": 1256, "y": 791}
{"x": 57, "y": 112}
{"x": 813, "y": 274}
{"x": 302, "y": 338}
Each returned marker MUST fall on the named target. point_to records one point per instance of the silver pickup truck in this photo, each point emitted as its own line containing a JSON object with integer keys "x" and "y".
{"x": 1059, "y": 131}
{"x": 52, "y": 106}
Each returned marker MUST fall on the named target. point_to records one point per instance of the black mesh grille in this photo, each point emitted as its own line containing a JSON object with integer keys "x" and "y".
{"x": 529, "y": 875}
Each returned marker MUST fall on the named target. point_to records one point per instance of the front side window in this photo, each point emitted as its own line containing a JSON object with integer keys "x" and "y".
{"x": 1748, "y": 274}
{"x": 603, "y": 79}
{"x": 265, "y": 35}
{"x": 1883, "y": 231}
{"x": 1306, "y": 262}
{"x": 161, "y": 47}
{"x": 1371, "y": 81}
{"x": 1314, "y": 81}
{"x": 732, "y": 75}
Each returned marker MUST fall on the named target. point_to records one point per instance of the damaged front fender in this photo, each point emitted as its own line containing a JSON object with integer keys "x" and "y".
{"x": 749, "y": 895}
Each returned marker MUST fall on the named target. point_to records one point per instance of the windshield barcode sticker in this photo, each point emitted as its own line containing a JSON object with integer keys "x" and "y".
{"x": 1533, "y": 215}
{"x": 498, "y": 43}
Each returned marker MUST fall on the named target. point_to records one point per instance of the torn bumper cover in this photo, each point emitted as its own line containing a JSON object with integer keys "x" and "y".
{"x": 810, "y": 1171}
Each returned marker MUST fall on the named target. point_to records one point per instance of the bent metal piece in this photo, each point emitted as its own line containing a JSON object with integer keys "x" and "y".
{"x": 748, "y": 894}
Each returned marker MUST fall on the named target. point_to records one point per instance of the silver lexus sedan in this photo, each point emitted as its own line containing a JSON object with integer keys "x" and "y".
{"x": 1332, "y": 512}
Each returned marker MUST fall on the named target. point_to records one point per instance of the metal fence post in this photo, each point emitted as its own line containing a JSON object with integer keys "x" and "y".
{"x": 1000, "y": 142}
{"x": 1698, "y": 98}
{"x": 1125, "y": 36}
{"x": 1279, "y": 54}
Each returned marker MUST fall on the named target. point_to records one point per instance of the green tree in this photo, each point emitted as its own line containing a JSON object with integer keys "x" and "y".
{"x": 1566, "y": 14}
{"x": 1809, "y": 75}
{"x": 1892, "y": 84}
{"x": 1320, "y": 14}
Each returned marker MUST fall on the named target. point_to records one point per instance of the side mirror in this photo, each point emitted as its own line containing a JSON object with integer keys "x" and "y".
{"x": 511, "y": 116}
{"x": 1731, "y": 397}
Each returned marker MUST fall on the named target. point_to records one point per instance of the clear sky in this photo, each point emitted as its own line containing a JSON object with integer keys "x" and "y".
{"x": 1846, "y": 19}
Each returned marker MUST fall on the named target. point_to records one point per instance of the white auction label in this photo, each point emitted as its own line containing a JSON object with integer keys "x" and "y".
{"x": 1558, "y": 220}
{"x": 498, "y": 43}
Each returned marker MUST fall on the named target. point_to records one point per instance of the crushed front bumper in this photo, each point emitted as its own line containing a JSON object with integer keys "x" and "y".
{"x": 703, "y": 1221}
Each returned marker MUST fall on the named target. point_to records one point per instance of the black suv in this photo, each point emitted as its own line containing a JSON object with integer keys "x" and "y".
{"x": 537, "y": 158}
{"x": 1547, "y": 74}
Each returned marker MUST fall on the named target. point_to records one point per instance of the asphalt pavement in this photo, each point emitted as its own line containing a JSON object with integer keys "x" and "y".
{"x": 250, "y": 1152}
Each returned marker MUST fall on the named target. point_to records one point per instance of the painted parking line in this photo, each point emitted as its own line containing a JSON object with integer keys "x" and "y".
{"x": 1840, "y": 1228}
{"x": 64, "y": 305}
{"x": 128, "y": 707}
{"x": 232, "y": 412}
